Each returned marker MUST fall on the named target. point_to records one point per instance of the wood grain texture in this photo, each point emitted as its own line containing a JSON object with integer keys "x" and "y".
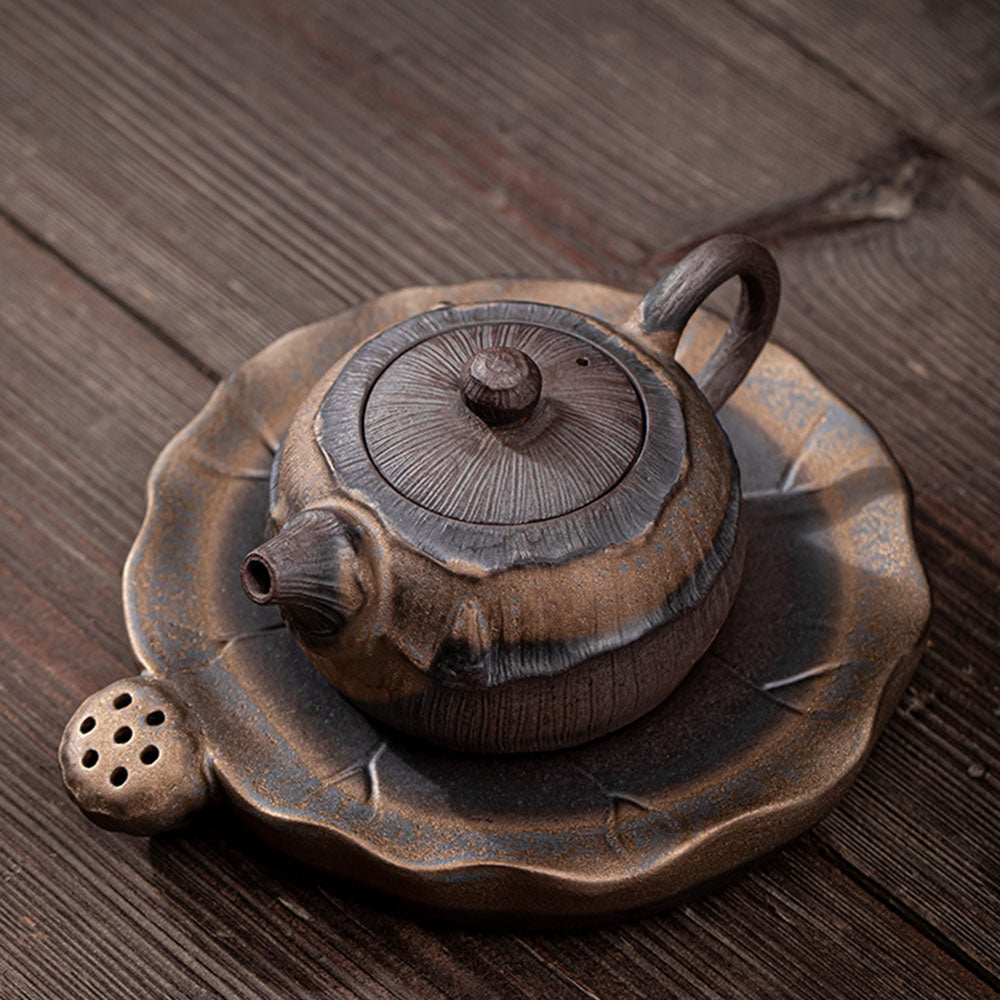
{"x": 209, "y": 913}
{"x": 618, "y": 124}
{"x": 936, "y": 66}
{"x": 899, "y": 317}
{"x": 342, "y": 153}
{"x": 227, "y": 171}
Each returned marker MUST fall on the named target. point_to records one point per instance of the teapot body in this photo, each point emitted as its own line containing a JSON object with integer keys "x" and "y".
{"x": 508, "y": 526}
{"x": 510, "y": 637}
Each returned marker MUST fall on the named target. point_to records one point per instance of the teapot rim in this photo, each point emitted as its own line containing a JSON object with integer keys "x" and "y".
{"x": 615, "y": 517}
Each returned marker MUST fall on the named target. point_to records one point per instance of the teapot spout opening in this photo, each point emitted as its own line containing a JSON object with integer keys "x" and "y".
{"x": 258, "y": 579}
{"x": 310, "y": 570}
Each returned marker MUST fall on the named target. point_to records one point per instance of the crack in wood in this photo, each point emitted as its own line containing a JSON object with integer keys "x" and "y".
{"x": 916, "y": 135}
{"x": 889, "y": 192}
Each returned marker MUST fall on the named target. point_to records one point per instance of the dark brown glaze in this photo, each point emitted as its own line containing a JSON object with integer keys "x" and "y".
{"x": 312, "y": 570}
{"x": 475, "y": 599}
{"x": 668, "y": 306}
{"x": 419, "y": 433}
{"x": 761, "y": 739}
{"x": 501, "y": 385}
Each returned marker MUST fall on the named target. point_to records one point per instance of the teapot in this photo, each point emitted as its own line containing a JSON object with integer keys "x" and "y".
{"x": 509, "y": 526}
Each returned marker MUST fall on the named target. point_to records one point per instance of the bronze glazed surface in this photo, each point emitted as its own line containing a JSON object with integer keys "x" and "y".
{"x": 757, "y": 743}
{"x": 507, "y": 526}
{"x": 559, "y": 591}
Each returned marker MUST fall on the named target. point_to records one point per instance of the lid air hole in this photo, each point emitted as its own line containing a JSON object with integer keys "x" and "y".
{"x": 150, "y": 754}
{"x": 90, "y": 758}
{"x": 119, "y": 776}
{"x": 88, "y": 724}
{"x": 123, "y": 734}
{"x": 123, "y": 700}
{"x": 583, "y": 362}
{"x": 155, "y": 718}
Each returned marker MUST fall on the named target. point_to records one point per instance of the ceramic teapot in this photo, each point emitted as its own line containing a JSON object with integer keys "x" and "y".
{"x": 508, "y": 526}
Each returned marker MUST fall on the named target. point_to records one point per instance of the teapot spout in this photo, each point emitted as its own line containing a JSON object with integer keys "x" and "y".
{"x": 310, "y": 570}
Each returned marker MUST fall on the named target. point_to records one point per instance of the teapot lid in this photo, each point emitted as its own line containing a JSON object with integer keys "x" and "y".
{"x": 503, "y": 423}
{"x": 504, "y": 432}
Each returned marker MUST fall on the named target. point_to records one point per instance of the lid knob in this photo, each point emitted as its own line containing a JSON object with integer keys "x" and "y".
{"x": 501, "y": 385}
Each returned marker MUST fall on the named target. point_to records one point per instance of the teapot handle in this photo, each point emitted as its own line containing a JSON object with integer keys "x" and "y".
{"x": 670, "y": 303}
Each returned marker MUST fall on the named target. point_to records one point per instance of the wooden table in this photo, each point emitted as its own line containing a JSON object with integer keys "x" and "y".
{"x": 182, "y": 181}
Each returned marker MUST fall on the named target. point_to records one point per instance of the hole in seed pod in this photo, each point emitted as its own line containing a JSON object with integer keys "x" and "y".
{"x": 88, "y": 724}
{"x": 119, "y": 776}
{"x": 123, "y": 734}
{"x": 123, "y": 700}
{"x": 90, "y": 758}
{"x": 150, "y": 754}
{"x": 155, "y": 718}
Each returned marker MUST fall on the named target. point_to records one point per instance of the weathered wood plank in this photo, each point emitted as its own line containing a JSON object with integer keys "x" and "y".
{"x": 736, "y": 942}
{"x": 206, "y": 913}
{"x": 898, "y": 317}
{"x": 88, "y": 399}
{"x": 260, "y": 206}
{"x": 232, "y": 170}
{"x": 935, "y": 65}
{"x": 639, "y": 111}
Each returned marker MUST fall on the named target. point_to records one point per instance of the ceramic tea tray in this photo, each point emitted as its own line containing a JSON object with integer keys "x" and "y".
{"x": 759, "y": 741}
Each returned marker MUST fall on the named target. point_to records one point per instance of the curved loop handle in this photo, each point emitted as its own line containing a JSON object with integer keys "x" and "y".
{"x": 670, "y": 303}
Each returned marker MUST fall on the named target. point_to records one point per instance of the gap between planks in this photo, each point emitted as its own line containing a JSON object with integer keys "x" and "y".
{"x": 154, "y": 328}
{"x": 837, "y": 74}
{"x": 781, "y": 221}
{"x": 905, "y": 913}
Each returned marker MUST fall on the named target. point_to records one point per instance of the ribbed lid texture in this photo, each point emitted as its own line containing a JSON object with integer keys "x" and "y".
{"x": 459, "y": 425}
